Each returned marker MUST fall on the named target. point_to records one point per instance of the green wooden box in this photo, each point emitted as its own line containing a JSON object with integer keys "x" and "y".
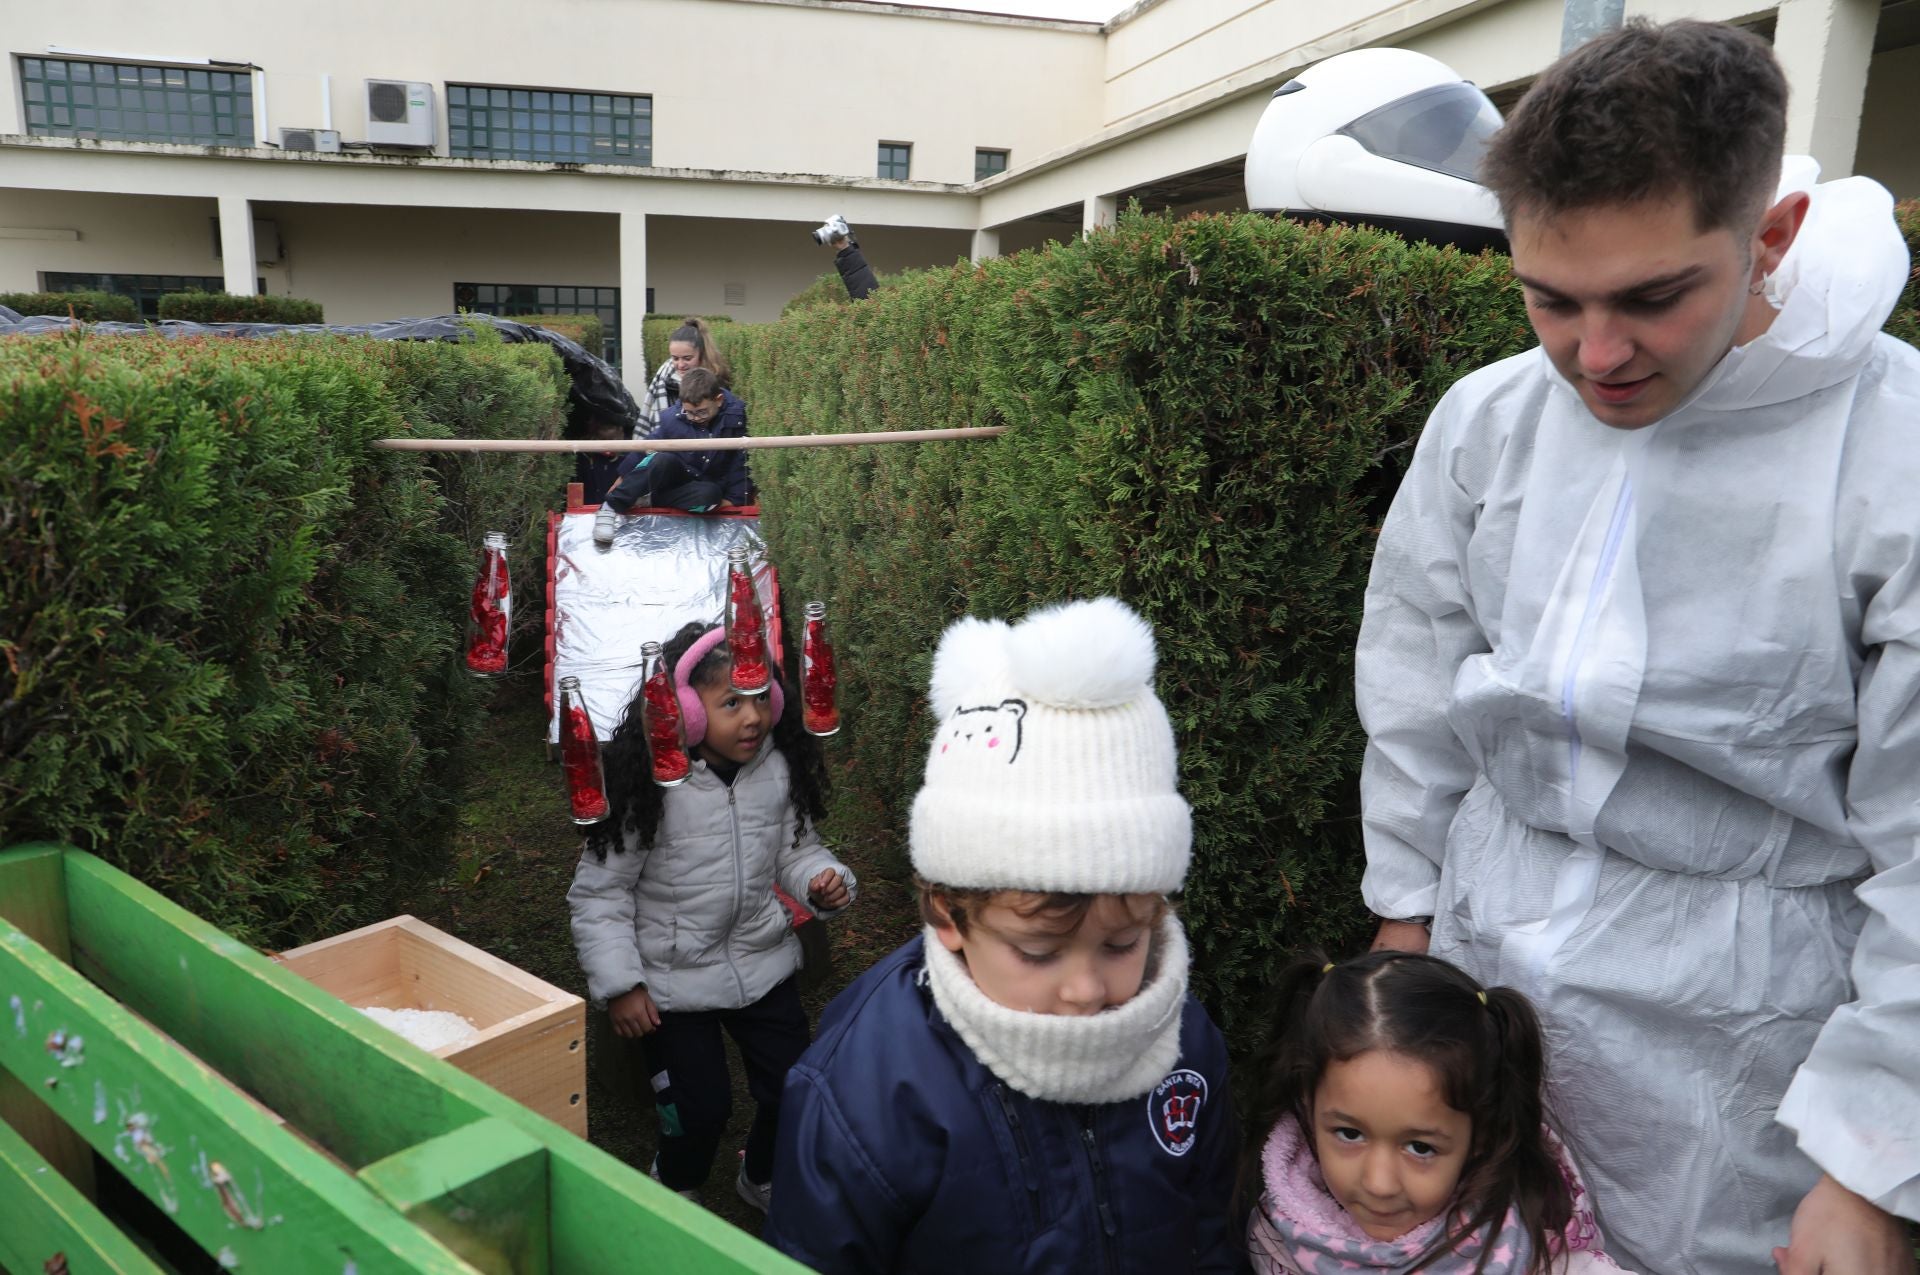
{"x": 134, "y": 1030}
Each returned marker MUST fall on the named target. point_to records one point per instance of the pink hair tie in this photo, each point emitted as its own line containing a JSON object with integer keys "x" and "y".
{"x": 693, "y": 710}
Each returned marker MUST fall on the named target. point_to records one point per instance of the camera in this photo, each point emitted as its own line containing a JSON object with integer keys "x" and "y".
{"x": 835, "y": 227}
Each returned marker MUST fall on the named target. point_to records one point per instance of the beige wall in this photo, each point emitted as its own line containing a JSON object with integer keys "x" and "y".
{"x": 1889, "y": 151}
{"x": 119, "y": 234}
{"x": 779, "y": 88}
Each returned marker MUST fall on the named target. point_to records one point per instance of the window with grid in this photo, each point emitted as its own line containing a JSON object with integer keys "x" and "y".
{"x": 988, "y": 162}
{"x": 548, "y": 125}
{"x": 895, "y": 159}
{"x": 509, "y": 299}
{"x": 66, "y": 97}
{"x": 145, "y": 289}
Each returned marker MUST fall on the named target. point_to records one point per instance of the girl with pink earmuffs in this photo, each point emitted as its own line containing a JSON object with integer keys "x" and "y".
{"x": 675, "y": 917}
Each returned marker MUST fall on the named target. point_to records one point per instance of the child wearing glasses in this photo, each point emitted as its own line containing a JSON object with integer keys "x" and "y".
{"x": 698, "y": 481}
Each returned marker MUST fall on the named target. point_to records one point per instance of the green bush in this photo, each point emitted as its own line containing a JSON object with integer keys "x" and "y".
{"x": 828, "y": 289}
{"x": 234, "y": 307}
{"x": 1905, "y": 322}
{"x": 656, "y": 332}
{"x": 584, "y": 330}
{"x": 231, "y": 662}
{"x": 91, "y": 306}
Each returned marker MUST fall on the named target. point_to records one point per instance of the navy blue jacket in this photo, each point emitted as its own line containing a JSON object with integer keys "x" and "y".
{"x": 728, "y": 470}
{"x": 898, "y": 1151}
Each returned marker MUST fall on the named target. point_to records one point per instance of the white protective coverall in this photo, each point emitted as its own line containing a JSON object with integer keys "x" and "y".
{"x": 1643, "y": 710}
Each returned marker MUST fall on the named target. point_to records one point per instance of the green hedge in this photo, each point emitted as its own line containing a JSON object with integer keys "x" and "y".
{"x": 584, "y": 330}
{"x": 233, "y": 629}
{"x": 234, "y": 307}
{"x": 1210, "y": 417}
{"x": 91, "y": 306}
{"x": 656, "y": 332}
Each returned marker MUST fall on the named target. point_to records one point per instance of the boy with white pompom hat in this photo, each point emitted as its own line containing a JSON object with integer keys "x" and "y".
{"x": 1027, "y": 1086}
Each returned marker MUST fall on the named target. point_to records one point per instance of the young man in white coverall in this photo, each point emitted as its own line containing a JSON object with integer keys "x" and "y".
{"x": 1640, "y": 667}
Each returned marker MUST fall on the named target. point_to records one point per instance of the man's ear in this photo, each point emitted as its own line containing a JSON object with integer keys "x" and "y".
{"x": 1779, "y": 227}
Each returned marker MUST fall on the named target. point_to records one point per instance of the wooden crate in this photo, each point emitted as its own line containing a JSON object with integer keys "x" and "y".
{"x": 531, "y": 1044}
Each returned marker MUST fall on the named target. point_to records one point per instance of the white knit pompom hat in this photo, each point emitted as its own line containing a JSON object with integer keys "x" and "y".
{"x": 1054, "y": 766}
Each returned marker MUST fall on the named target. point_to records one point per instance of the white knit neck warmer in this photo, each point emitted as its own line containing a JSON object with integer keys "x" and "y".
{"x": 1117, "y": 1054}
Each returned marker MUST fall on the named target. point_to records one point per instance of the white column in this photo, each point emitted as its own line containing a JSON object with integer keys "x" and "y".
{"x": 633, "y": 300}
{"x": 1825, "y": 46}
{"x": 986, "y": 243}
{"x": 236, "y": 244}
{"x": 1097, "y": 212}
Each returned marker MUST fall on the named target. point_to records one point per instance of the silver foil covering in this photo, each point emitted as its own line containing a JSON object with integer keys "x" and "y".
{"x": 661, "y": 572}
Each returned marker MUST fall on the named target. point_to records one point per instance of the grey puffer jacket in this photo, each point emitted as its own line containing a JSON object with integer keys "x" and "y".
{"x": 694, "y": 916}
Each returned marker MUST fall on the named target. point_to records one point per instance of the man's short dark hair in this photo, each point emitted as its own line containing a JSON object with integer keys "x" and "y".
{"x": 1648, "y": 112}
{"x": 697, "y": 385}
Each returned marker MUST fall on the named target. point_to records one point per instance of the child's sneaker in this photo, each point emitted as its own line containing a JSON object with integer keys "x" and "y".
{"x": 653, "y": 1171}
{"x": 603, "y": 524}
{"x": 758, "y": 1194}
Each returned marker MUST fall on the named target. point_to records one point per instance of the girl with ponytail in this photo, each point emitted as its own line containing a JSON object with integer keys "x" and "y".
{"x": 1400, "y": 1127}
{"x": 691, "y": 345}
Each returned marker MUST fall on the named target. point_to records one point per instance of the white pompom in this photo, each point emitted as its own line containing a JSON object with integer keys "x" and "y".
{"x": 969, "y": 665}
{"x": 1092, "y": 654}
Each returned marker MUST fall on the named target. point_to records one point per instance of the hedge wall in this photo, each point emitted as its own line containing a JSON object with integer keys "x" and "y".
{"x": 90, "y": 306}
{"x": 1210, "y": 418}
{"x": 235, "y": 307}
{"x": 230, "y": 661}
{"x": 584, "y": 330}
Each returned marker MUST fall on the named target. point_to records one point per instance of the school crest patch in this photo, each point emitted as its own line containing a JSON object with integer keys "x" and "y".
{"x": 1173, "y": 1110}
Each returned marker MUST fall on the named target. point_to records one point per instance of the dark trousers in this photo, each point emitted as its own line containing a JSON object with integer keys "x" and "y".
{"x": 659, "y": 480}
{"x": 686, "y": 1075}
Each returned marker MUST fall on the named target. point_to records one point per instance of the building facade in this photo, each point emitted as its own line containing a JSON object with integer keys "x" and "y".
{"x": 621, "y": 156}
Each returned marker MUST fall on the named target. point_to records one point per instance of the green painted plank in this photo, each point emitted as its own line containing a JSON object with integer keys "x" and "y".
{"x": 241, "y": 1186}
{"x": 43, "y": 1217}
{"x": 333, "y": 1073}
{"x": 480, "y": 1190}
{"x": 33, "y": 895}
{"x": 348, "y": 1083}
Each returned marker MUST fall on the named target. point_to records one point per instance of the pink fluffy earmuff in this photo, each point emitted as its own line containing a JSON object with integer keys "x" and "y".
{"x": 693, "y": 711}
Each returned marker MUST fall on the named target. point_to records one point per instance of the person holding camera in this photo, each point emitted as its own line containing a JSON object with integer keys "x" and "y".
{"x": 691, "y": 346}
{"x": 855, "y": 273}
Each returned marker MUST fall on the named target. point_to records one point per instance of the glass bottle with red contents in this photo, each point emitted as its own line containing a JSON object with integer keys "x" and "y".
{"x": 746, "y": 627}
{"x": 819, "y": 681}
{"x": 490, "y": 614}
{"x": 580, "y": 757}
{"x": 660, "y": 710}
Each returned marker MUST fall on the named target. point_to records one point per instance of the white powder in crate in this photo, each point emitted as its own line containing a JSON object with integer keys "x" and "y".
{"x": 430, "y": 1029}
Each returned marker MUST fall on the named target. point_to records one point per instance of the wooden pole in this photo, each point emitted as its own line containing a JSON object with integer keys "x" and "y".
{"x": 752, "y": 443}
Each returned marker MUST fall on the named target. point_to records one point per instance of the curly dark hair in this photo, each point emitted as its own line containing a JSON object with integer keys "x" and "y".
{"x": 634, "y": 801}
{"x": 1647, "y": 112}
{"x": 1489, "y": 1059}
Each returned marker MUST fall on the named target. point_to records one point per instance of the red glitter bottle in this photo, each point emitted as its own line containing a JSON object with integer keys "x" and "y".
{"x": 819, "y": 683}
{"x": 580, "y": 757}
{"x": 660, "y": 705}
{"x": 746, "y": 626}
{"x": 491, "y": 612}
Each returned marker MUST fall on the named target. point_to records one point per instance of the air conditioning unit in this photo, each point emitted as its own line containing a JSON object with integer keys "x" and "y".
{"x": 310, "y": 139}
{"x": 399, "y": 113}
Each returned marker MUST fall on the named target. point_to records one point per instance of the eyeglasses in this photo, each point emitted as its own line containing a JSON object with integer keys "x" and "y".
{"x": 698, "y": 412}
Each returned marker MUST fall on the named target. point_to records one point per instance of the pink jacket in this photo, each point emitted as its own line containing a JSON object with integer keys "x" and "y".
{"x": 1300, "y": 1229}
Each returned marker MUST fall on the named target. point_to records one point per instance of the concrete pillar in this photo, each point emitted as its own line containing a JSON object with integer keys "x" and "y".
{"x": 986, "y": 243}
{"x": 1825, "y": 46}
{"x": 1097, "y": 212}
{"x": 236, "y": 244}
{"x": 633, "y": 301}
{"x": 1581, "y": 20}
